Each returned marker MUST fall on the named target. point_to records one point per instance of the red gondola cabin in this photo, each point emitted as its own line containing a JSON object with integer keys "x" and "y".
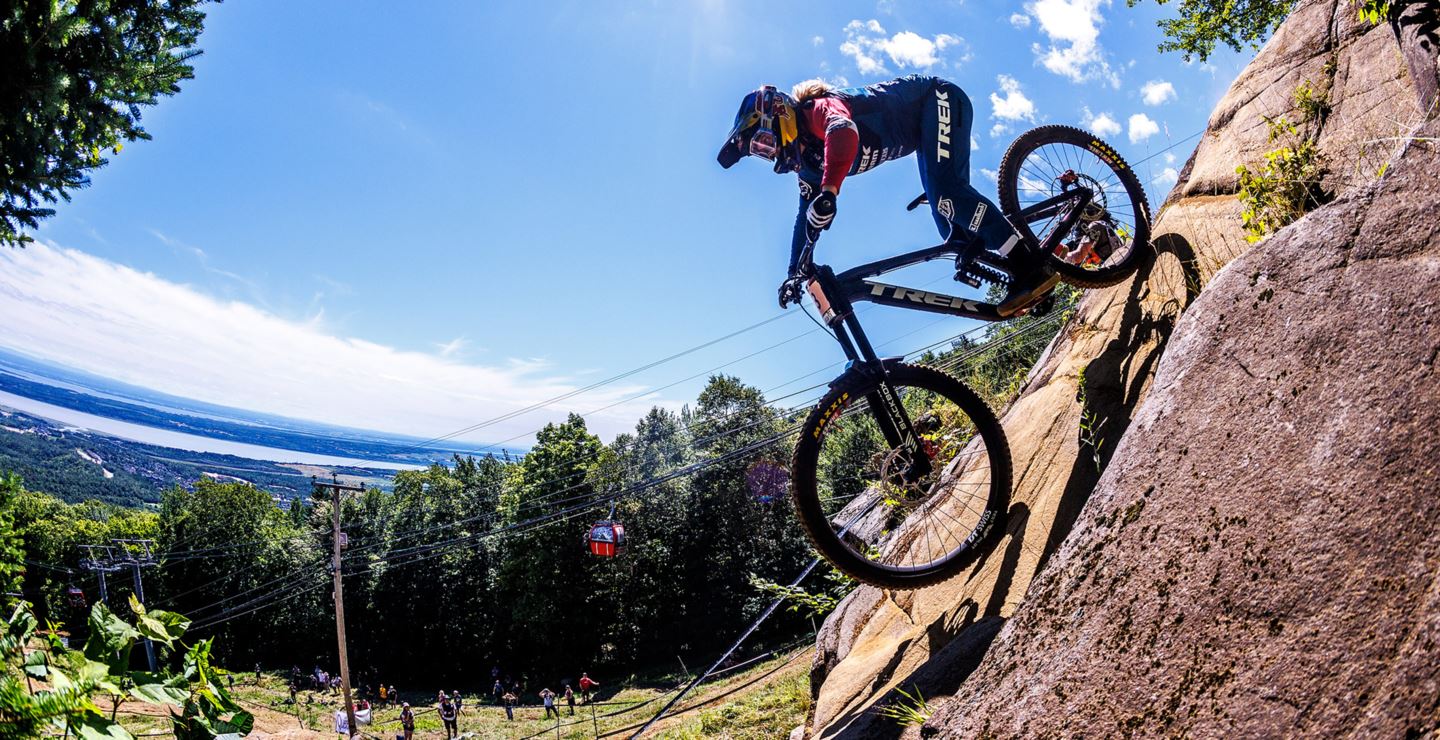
{"x": 606, "y": 538}
{"x": 76, "y": 597}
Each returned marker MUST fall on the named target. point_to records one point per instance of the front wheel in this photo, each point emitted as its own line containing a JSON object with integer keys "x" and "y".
{"x": 867, "y": 515}
{"x": 1112, "y": 235}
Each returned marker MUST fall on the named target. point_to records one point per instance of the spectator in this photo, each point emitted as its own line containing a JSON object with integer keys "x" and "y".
{"x": 548, "y": 696}
{"x": 497, "y": 690}
{"x": 447, "y": 715}
{"x": 384, "y": 695}
{"x": 570, "y": 698}
{"x": 509, "y": 700}
{"x": 257, "y": 673}
{"x": 587, "y": 684}
{"x": 407, "y": 720}
{"x": 459, "y": 707}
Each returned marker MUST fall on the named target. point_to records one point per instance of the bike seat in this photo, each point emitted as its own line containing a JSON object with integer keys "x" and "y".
{"x": 920, "y": 200}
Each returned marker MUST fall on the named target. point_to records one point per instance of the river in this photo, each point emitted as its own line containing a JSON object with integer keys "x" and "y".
{"x": 181, "y": 440}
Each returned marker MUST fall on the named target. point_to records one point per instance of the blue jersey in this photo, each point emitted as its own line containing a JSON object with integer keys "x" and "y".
{"x": 887, "y": 118}
{"x": 895, "y": 119}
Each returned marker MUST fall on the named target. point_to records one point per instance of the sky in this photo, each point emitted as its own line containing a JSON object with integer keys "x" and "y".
{"x": 418, "y": 218}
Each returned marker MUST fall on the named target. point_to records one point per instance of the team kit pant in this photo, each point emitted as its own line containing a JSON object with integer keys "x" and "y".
{"x": 961, "y": 213}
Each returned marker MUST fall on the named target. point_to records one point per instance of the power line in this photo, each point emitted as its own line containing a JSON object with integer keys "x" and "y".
{"x": 490, "y": 518}
{"x": 418, "y": 553}
{"x": 621, "y": 376}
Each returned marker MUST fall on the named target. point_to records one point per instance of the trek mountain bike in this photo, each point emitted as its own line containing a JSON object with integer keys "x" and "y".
{"x": 902, "y": 473}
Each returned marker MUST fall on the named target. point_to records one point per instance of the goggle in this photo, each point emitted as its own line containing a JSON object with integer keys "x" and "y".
{"x": 764, "y": 142}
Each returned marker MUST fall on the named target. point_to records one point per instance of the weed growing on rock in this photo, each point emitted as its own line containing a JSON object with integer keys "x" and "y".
{"x": 1374, "y": 11}
{"x": 908, "y": 709}
{"x": 1285, "y": 187}
{"x": 1287, "y": 184}
{"x": 1090, "y": 425}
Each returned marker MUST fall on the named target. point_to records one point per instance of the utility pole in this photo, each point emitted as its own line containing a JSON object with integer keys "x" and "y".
{"x": 335, "y": 489}
{"x": 99, "y": 560}
{"x": 139, "y": 554}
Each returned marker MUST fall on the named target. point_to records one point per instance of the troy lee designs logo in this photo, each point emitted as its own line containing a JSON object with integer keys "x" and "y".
{"x": 923, "y": 297}
{"x": 942, "y": 113}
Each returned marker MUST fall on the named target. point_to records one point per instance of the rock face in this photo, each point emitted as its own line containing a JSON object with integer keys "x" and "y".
{"x": 1262, "y": 556}
{"x": 1102, "y": 368}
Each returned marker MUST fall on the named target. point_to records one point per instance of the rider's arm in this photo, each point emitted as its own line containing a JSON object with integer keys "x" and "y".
{"x": 830, "y": 121}
{"x": 801, "y": 234}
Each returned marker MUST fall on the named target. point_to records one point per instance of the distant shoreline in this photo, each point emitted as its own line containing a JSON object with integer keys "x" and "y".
{"x": 182, "y": 441}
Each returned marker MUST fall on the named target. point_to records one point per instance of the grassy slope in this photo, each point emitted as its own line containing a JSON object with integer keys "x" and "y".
{"x": 763, "y": 701}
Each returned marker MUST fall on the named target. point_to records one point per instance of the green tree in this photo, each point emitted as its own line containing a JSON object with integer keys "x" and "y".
{"x": 76, "y": 75}
{"x": 735, "y": 535}
{"x": 546, "y": 577}
{"x": 226, "y": 547}
{"x": 648, "y": 621}
{"x": 52, "y": 531}
{"x": 1201, "y": 24}
{"x": 12, "y": 555}
{"x": 436, "y": 568}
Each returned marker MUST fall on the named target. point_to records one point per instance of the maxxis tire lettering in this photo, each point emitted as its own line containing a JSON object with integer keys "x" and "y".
{"x": 1010, "y": 206}
{"x": 804, "y": 489}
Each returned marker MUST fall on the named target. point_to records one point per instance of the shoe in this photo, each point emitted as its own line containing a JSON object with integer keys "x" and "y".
{"x": 965, "y": 260}
{"x": 1026, "y": 290}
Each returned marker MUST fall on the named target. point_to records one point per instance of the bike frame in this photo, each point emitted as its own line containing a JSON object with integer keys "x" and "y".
{"x": 836, "y": 295}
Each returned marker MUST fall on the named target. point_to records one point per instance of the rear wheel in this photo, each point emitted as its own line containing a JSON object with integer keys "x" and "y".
{"x": 861, "y": 512}
{"x": 1112, "y": 236}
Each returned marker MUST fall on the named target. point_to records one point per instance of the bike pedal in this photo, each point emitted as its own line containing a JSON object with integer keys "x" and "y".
{"x": 967, "y": 278}
{"x": 987, "y": 273}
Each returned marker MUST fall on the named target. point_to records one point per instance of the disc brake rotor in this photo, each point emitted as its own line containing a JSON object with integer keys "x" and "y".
{"x": 901, "y": 493}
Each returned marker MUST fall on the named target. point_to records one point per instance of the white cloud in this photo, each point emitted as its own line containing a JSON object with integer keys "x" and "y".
{"x": 1073, "y": 30}
{"x": 974, "y": 143}
{"x": 1169, "y": 158}
{"x": 1167, "y": 177}
{"x": 868, "y": 45}
{"x": 1019, "y": 20}
{"x": 91, "y": 314}
{"x": 1014, "y": 106}
{"x": 990, "y": 174}
{"x": 1156, "y": 92}
{"x": 817, "y": 40}
{"x": 1102, "y": 125}
{"x": 1142, "y": 128}
{"x": 453, "y": 346}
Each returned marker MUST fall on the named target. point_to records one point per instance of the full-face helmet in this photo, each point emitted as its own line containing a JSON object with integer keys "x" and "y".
{"x": 766, "y": 126}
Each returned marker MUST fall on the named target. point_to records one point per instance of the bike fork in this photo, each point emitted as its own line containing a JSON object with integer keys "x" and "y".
{"x": 885, "y": 403}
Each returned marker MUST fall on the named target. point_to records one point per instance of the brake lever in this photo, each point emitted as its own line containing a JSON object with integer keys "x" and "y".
{"x": 790, "y": 294}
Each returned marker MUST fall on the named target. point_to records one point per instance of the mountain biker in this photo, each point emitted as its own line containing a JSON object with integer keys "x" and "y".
{"x": 824, "y": 134}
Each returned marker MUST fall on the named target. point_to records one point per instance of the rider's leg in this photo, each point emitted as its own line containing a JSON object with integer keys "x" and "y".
{"x": 961, "y": 213}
